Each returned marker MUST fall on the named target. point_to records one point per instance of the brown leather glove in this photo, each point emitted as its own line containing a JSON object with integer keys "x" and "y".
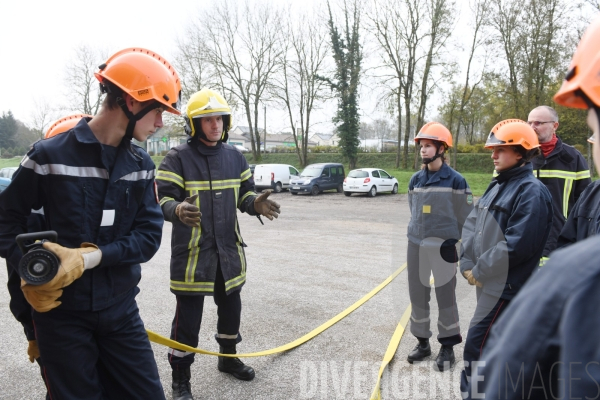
{"x": 72, "y": 264}
{"x": 471, "y": 279}
{"x": 188, "y": 213}
{"x": 40, "y": 299}
{"x": 266, "y": 207}
{"x": 33, "y": 351}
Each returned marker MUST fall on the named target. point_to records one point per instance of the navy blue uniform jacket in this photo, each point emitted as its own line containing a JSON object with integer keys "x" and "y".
{"x": 68, "y": 176}
{"x": 545, "y": 346}
{"x": 504, "y": 236}
{"x": 439, "y": 203}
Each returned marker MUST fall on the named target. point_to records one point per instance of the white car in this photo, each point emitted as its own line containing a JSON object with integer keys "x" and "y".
{"x": 369, "y": 181}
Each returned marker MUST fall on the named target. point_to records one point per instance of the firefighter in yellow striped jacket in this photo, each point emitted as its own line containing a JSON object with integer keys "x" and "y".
{"x": 560, "y": 167}
{"x": 201, "y": 185}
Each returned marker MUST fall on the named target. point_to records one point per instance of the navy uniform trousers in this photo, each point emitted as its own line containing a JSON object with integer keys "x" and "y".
{"x": 87, "y": 344}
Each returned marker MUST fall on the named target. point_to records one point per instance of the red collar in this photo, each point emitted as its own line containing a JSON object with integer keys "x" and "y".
{"x": 549, "y": 146}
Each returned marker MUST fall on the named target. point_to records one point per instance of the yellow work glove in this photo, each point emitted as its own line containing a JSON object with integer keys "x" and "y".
{"x": 188, "y": 213}
{"x": 266, "y": 207}
{"x": 33, "y": 351}
{"x": 471, "y": 279}
{"x": 72, "y": 264}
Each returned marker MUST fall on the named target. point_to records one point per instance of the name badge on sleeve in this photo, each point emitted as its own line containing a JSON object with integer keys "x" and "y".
{"x": 108, "y": 218}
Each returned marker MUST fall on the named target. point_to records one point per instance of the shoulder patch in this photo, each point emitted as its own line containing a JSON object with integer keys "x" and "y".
{"x": 469, "y": 199}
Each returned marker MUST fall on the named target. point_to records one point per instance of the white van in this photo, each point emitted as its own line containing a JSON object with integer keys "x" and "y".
{"x": 274, "y": 176}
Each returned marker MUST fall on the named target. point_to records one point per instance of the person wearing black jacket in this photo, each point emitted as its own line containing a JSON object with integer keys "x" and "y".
{"x": 547, "y": 340}
{"x": 504, "y": 236}
{"x": 584, "y": 218}
{"x": 561, "y": 168}
{"x": 201, "y": 186}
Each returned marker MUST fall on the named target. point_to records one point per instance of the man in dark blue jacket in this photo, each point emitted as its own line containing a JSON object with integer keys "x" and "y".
{"x": 503, "y": 238}
{"x": 584, "y": 218}
{"x": 96, "y": 187}
{"x": 546, "y": 345}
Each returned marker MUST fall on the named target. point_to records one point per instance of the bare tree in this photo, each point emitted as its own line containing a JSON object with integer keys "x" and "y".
{"x": 480, "y": 10}
{"x": 83, "y": 92}
{"x": 42, "y": 116}
{"x": 403, "y": 29}
{"x": 533, "y": 48}
{"x": 244, "y": 49}
{"x": 396, "y": 27}
{"x": 193, "y": 64}
{"x": 296, "y": 85}
{"x": 440, "y": 15}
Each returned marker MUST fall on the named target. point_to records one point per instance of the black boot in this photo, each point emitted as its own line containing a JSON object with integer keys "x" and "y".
{"x": 420, "y": 351}
{"x": 445, "y": 359}
{"x": 234, "y": 366}
{"x": 182, "y": 389}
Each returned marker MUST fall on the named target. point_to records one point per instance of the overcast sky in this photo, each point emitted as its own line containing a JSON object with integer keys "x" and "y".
{"x": 38, "y": 38}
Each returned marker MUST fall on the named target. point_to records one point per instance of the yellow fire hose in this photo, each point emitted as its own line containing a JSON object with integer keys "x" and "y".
{"x": 156, "y": 338}
{"x": 391, "y": 350}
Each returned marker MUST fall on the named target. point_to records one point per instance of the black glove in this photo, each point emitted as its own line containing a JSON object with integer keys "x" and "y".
{"x": 268, "y": 208}
{"x": 188, "y": 213}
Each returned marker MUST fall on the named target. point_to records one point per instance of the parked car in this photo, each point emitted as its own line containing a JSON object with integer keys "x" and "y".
{"x": 274, "y": 176}
{"x": 6, "y": 176}
{"x": 316, "y": 178}
{"x": 369, "y": 181}
{"x": 240, "y": 148}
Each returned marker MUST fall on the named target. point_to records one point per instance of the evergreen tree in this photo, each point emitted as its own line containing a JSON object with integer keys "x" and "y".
{"x": 8, "y": 129}
{"x": 347, "y": 53}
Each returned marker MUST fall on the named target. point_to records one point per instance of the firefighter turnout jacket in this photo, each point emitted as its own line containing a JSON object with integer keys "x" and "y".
{"x": 583, "y": 218}
{"x": 69, "y": 176}
{"x": 566, "y": 175}
{"x": 504, "y": 236}
{"x": 221, "y": 177}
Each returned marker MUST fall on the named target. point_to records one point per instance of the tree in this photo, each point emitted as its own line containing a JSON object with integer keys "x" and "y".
{"x": 42, "y": 116}
{"x": 83, "y": 90}
{"x": 297, "y": 86}
{"x": 244, "y": 49}
{"x": 347, "y": 53}
{"x": 534, "y": 49}
{"x": 480, "y": 8}
{"x": 8, "y": 130}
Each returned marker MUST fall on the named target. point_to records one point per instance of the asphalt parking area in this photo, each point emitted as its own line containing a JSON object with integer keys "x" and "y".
{"x": 324, "y": 253}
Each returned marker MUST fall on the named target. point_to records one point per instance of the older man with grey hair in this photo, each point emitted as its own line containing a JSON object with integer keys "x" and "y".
{"x": 560, "y": 167}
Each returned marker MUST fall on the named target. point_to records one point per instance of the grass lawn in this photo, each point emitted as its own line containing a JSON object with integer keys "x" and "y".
{"x": 10, "y": 162}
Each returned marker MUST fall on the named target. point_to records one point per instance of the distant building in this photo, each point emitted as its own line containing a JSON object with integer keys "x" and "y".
{"x": 325, "y": 139}
{"x": 240, "y": 135}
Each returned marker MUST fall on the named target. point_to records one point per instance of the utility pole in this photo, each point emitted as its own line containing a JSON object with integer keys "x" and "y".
{"x": 265, "y": 139}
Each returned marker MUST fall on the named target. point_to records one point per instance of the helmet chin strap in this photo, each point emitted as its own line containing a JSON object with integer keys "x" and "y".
{"x": 427, "y": 161}
{"x": 133, "y": 119}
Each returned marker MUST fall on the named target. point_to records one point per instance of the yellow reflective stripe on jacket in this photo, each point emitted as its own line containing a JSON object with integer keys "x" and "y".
{"x": 193, "y": 286}
{"x": 557, "y": 173}
{"x": 216, "y": 185}
{"x": 543, "y": 261}
{"x": 165, "y": 199}
{"x": 569, "y": 178}
{"x": 193, "y": 245}
{"x": 238, "y": 280}
{"x": 246, "y": 175}
{"x": 566, "y": 193}
{"x": 170, "y": 177}
{"x": 249, "y": 193}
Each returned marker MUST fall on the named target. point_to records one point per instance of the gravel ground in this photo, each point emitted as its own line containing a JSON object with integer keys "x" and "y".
{"x": 322, "y": 254}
